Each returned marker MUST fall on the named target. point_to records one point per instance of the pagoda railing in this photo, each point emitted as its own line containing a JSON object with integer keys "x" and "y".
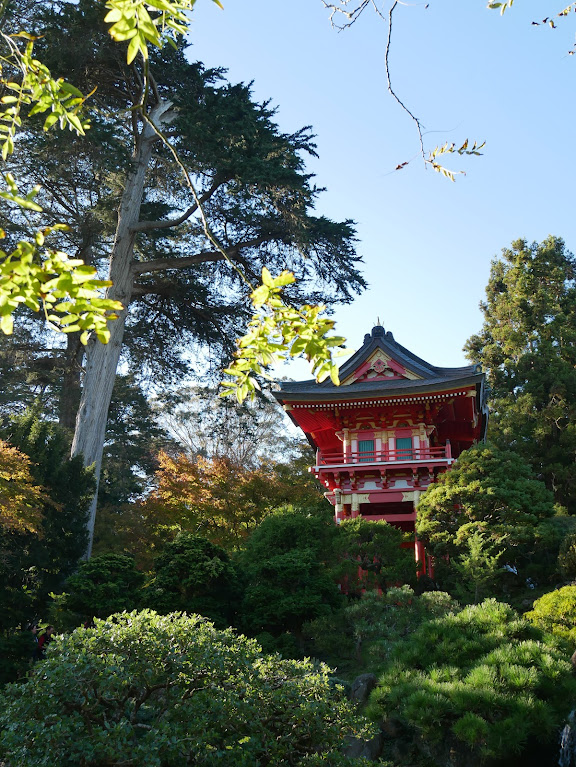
{"x": 406, "y": 455}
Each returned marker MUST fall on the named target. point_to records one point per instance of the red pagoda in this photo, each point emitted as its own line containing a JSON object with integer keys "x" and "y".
{"x": 383, "y": 436}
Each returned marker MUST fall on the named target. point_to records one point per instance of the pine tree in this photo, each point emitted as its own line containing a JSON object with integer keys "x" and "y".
{"x": 528, "y": 347}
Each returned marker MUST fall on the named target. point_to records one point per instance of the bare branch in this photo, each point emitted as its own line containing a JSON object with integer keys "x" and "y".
{"x": 389, "y": 82}
{"x": 146, "y": 226}
{"x": 158, "y": 265}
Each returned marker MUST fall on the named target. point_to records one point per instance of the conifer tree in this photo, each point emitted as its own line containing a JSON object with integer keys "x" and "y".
{"x": 122, "y": 193}
{"x": 528, "y": 348}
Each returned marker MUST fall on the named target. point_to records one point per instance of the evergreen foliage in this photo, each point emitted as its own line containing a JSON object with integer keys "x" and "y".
{"x": 193, "y": 575}
{"x": 555, "y": 613}
{"x": 103, "y": 585}
{"x": 491, "y": 501}
{"x": 528, "y": 347}
{"x": 361, "y": 636}
{"x": 287, "y": 567}
{"x": 33, "y": 564}
{"x": 567, "y": 556}
{"x": 165, "y": 691}
{"x": 475, "y": 686}
{"x": 370, "y": 555}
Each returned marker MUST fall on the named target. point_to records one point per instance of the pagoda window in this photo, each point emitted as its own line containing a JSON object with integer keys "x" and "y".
{"x": 366, "y": 450}
{"x": 403, "y": 448}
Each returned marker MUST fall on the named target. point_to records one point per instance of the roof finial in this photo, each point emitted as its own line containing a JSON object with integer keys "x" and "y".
{"x": 378, "y": 322}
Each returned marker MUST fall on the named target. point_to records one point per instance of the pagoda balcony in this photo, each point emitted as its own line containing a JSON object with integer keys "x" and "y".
{"x": 441, "y": 455}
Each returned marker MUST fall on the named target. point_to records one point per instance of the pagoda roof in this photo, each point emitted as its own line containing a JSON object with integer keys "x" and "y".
{"x": 395, "y": 370}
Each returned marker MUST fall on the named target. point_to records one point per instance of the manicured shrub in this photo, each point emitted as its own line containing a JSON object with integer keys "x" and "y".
{"x": 556, "y": 613}
{"x": 475, "y": 686}
{"x": 166, "y": 691}
{"x": 195, "y": 576}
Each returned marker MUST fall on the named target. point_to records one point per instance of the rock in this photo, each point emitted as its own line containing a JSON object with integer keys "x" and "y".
{"x": 356, "y": 748}
{"x": 361, "y": 688}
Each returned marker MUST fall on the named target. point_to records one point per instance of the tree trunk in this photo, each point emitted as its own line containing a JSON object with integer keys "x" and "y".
{"x": 102, "y": 359}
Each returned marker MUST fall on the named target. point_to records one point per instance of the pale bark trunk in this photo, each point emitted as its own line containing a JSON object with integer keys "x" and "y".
{"x": 102, "y": 359}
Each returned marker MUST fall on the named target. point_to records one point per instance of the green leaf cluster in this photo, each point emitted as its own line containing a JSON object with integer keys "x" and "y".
{"x": 278, "y": 333}
{"x": 103, "y": 585}
{"x": 148, "y": 21}
{"x": 30, "y": 82}
{"x": 141, "y": 688}
{"x": 68, "y": 291}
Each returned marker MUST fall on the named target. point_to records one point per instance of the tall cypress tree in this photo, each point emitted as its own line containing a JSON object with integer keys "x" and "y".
{"x": 528, "y": 347}
{"x": 122, "y": 192}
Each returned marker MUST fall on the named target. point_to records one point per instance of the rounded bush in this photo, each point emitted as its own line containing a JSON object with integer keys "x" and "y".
{"x": 165, "y": 691}
{"x": 555, "y": 613}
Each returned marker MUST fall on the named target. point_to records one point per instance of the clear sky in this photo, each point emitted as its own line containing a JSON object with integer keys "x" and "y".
{"x": 466, "y": 72}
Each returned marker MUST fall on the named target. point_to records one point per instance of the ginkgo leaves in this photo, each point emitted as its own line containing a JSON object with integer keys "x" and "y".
{"x": 279, "y": 332}
{"x": 141, "y": 22}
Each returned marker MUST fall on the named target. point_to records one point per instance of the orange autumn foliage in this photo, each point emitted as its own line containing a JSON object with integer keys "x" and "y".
{"x": 21, "y": 500}
{"x": 211, "y": 497}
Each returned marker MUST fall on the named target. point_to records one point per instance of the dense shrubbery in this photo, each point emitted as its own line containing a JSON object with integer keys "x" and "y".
{"x": 475, "y": 686}
{"x": 104, "y": 585}
{"x": 195, "y": 576}
{"x": 171, "y": 690}
{"x": 555, "y": 613}
{"x": 486, "y": 519}
{"x": 362, "y": 635}
{"x": 36, "y": 558}
{"x": 287, "y": 565}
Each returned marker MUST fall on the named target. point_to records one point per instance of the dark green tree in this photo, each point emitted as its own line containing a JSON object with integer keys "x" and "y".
{"x": 287, "y": 565}
{"x": 32, "y": 564}
{"x": 370, "y": 555}
{"x": 493, "y": 494}
{"x": 528, "y": 348}
{"x": 195, "y": 576}
{"x": 103, "y": 585}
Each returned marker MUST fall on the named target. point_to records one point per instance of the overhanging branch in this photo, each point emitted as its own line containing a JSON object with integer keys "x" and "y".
{"x": 158, "y": 265}
{"x": 146, "y": 226}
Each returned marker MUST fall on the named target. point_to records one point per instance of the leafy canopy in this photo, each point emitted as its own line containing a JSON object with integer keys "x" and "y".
{"x": 142, "y": 688}
{"x": 476, "y": 685}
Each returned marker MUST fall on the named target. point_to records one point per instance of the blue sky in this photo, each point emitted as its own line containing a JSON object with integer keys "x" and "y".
{"x": 466, "y": 72}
